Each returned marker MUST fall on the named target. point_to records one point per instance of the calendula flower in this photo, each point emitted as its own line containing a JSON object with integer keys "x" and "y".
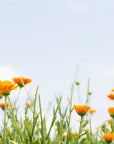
{"x": 21, "y": 81}
{"x": 64, "y": 136}
{"x": 111, "y": 96}
{"x": 29, "y": 105}
{"x": 6, "y": 87}
{"x": 67, "y": 116}
{"x": 91, "y": 111}
{"x": 2, "y": 105}
{"x": 111, "y": 111}
{"x": 81, "y": 109}
{"x": 74, "y": 134}
{"x": 112, "y": 89}
{"x": 108, "y": 137}
{"x": 109, "y": 121}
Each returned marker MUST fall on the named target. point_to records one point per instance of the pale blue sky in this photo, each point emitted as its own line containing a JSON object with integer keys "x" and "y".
{"x": 46, "y": 39}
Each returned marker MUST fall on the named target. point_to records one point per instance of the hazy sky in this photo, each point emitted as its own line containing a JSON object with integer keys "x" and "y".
{"x": 45, "y": 40}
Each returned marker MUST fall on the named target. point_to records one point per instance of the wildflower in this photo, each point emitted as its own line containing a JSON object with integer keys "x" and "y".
{"x": 111, "y": 111}
{"x": 111, "y": 96}
{"x": 67, "y": 116}
{"x": 6, "y": 87}
{"x": 81, "y": 109}
{"x": 2, "y": 105}
{"x": 29, "y": 105}
{"x": 74, "y": 134}
{"x": 21, "y": 81}
{"x": 64, "y": 137}
{"x": 92, "y": 111}
{"x": 112, "y": 89}
{"x": 109, "y": 121}
{"x": 108, "y": 137}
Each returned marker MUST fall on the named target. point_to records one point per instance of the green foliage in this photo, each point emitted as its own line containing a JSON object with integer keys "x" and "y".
{"x": 35, "y": 130}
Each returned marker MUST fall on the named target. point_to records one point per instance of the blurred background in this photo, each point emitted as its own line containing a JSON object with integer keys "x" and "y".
{"x": 49, "y": 41}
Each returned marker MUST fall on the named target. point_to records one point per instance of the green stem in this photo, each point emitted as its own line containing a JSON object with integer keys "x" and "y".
{"x": 90, "y": 130}
{"x": 61, "y": 130}
{"x": 87, "y": 98}
{"x": 5, "y": 121}
{"x": 70, "y": 110}
{"x": 54, "y": 118}
{"x": 42, "y": 142}
{"x": 79, "y": 94}
{"x": 80, "y": 128}
{"x": 112, "y": 123}
{"x": 34, "y": 112}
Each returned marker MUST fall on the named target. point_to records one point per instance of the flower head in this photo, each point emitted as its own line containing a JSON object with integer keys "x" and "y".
{"x": 2, "y": 105}
{"x": 112, "y": 89}
{"x": 74, "y": 134}
{"x": 29, "y": 105}
{"x": 81, "y": 109}
{"x": 64, "y": 136}
{"x": 67, "y": 116}
{"x": 109, "y": 121}
{"x": 6, "y": 87}
{"x": 21, "y": 81}
{"x": 111, "y": 111}
{"x": 91, "y": 111}
{"x": 111, "y": 96}
{"x": 108, "y": 137}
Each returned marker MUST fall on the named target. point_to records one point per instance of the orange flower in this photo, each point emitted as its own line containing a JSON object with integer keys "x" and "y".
{"x": 111, "y": 96}
{"x": 92, "y": 111}
{"x": 6, "y": 87}
{"x": 21, "y": 81}
{"x": 2, "y": 105}
{"x": 74, "y": 134}
{"x": 112, "y": 89}
{"x": 64, "y": 136}
{"x": 108, "y": 137}
{"x": 111, "y": 111}
{"x": 109, "y": 121}
{"x": 29, "y": 105}
{"x": 67, "y": 116}
{"x": 81, "y": 109}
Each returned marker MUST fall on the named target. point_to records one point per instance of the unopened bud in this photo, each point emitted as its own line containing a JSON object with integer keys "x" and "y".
{"x": 77, "y": 82}
{"x": 89, "y": 93}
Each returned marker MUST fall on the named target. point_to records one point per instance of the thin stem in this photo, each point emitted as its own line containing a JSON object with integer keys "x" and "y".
{"x": 42, "y": 142}
{"x": 87, "y": 98}
{"x": 70, "y": 110}
{"x": 54, "y": 118}
{"x": 34, "y": 112}
{"x": 90, "y": 130}
{"x": 79, "y": 95}
{"x": 80, "y": 128}
{"x": 5, "y": 120}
